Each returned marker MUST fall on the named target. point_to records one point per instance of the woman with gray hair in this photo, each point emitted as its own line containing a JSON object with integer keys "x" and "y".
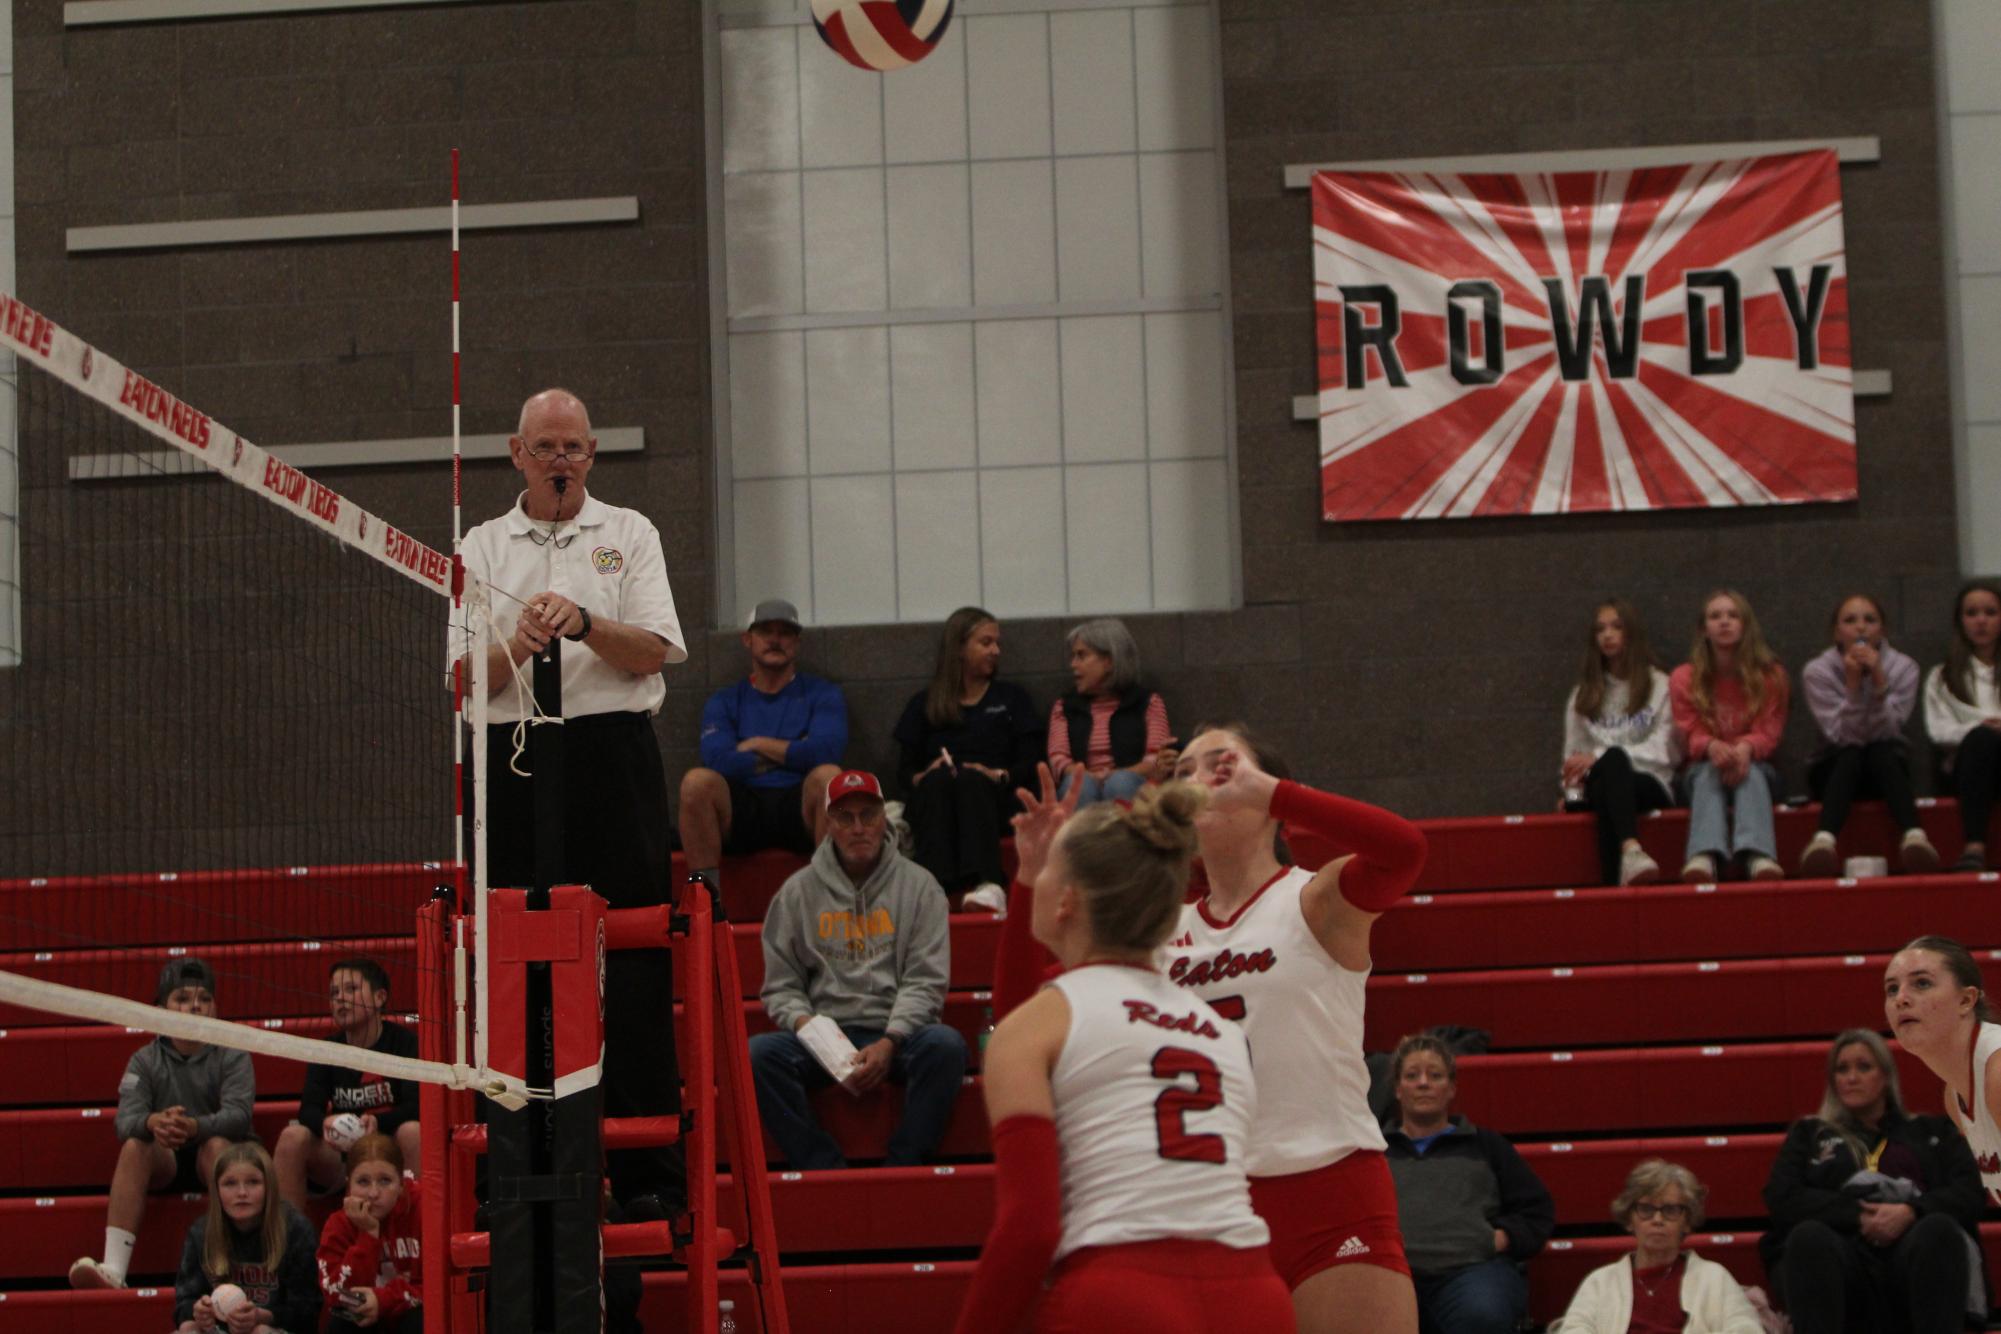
{"x": 1108, "y": 737}
{"x": 1660, "y": 1287}
{"x": 1875, "y": 1212}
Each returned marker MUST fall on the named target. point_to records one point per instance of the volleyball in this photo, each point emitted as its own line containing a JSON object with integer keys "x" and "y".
{"x": 226, "y": 1298}
{"x": 882, "y": 34}
{"x": 343, "y": 1130}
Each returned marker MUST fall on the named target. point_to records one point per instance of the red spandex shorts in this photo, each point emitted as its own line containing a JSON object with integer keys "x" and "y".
{"x": 1170, "y": 1286}
{"x": 1342, "y": 1214}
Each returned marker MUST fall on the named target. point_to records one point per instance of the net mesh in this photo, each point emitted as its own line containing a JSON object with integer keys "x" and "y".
{"x": 229, "y": 733}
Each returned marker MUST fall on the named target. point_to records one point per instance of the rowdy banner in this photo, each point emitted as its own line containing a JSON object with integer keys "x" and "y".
{"x": 1570, "y": 342}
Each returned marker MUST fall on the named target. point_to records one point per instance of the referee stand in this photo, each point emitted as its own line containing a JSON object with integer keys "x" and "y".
{"x": 539, "y": 1269}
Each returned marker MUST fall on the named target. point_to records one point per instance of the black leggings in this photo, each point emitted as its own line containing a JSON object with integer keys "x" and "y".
{"x": 1973, "y": 772}
{"x": 1838, "y": 1283}
{"x": 1874, "y": 769}
{"x": 1618, "y": 793}
{"x": 956, "y": 822}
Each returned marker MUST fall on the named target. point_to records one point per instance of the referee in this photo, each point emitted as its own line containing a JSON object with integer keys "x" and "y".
{"x": 592, "y": 573}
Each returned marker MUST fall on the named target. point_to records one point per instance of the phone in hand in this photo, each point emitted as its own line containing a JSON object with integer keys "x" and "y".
{"x": 353, "y": 1298}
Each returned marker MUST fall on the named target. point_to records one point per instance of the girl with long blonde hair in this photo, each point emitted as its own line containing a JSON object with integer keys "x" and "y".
{"x": 1730, "y": 700}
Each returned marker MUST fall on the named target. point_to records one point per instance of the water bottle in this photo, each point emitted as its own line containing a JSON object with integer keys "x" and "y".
{"x": 727, "y": 1325}
{"x": 987, "y": 1031}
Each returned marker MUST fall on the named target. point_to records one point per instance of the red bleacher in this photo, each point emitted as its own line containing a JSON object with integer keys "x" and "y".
{"x": 1683, "y": 1021}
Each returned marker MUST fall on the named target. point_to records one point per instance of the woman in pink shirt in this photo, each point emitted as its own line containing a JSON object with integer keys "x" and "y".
{"x": 1730, "y": 701}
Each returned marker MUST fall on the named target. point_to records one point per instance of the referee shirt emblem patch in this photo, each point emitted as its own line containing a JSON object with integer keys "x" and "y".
{"x": 608, "y": 560}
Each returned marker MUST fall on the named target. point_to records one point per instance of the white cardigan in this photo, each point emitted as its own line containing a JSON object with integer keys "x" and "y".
{"x": 1709, "y": 1293}
{"x": 1948, "y": 718}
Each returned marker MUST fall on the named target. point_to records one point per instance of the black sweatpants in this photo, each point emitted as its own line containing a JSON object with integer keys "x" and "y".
{"x": 1974, "y": 768}
{"x": 1877, "y": 768}
{"x": 1617, "y": 793}
{"x": 1838, "y": 1283}
{"x": 616, "y": 839}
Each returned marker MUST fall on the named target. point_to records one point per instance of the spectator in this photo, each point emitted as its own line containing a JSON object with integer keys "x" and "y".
{"x": 858, "y": 935}
{"x": 371, "y": 1251}
{"x": 967, "y": 741}
{"x": 769, "y": 744}
{"x": 1108, "y": 738}
{"x": 1620, "y": 748}
{"x": 1659, "y": 1286}
{"x": 1472, "y": 1211}
{"x": 1730, "y": 701}
{"x": 357, "y": 994}
{"x": 251, "y": 1238}
{"x": 1963, "y": 714}
{"x": 1861, "y": 692}
{"x": 180, "y": 1103}
{"x": 1875, "y": 1212}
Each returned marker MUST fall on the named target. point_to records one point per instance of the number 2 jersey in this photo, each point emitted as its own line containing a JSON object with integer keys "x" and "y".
{"x": 1154, "y": 1107}
{"x": 1302, "y": 1012}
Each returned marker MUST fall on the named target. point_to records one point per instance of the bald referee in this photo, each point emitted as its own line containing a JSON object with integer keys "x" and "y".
{"x": 592, "y": 573}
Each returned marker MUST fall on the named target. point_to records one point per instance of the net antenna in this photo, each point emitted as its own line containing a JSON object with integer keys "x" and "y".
{"x": 82, "y": 392}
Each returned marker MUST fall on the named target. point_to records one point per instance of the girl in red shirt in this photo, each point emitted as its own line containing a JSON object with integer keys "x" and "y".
{"x": 1730, "y": 700}
{"x": 369, "y": 1252}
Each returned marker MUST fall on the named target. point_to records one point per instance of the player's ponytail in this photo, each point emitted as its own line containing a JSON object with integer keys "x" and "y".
{"x": 1131, "y": 866}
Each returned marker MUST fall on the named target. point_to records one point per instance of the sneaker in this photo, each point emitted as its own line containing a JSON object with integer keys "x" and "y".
{"x": 1637, "y": 868}
{"x": 1820, "y": 859}
{"x": 1699, "y": 870}
{"x": 1762, "y": 867}
{"x": 987, "y": 895}
{"x": 87, "y": 1274}
{"x": 1916, "y": 853}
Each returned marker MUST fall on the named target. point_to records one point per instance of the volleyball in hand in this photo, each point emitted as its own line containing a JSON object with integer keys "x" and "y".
{"x": 226, "y": 1298}
{"x": 882, "y": 34}
{"x": 343, "y": 1130}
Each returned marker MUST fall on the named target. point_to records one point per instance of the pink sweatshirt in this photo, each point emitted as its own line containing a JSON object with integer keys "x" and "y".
{"x": 1730, "y": 721}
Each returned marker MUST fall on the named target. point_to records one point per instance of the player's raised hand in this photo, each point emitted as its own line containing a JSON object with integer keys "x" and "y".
{"x": 1035, "y": 829}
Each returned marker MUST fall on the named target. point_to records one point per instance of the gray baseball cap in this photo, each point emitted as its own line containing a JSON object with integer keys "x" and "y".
{"x": 183, "y": 972}
{"x": 774, "y": 609}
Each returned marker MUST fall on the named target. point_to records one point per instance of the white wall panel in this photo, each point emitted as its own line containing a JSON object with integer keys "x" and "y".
{"x": 1007, "y": 85}
{"x": 1181, "y": 246}
{"x": 840, "y": 109}
{"x": 773, "y": 546}
{"x": 931, "y": 394}
{"x": 847, "y": 400}
{"x": 1091, "y": 78}
{"x": 846, "y": 250}
{"x": 1097, "y": 228}
{"x": 1184, "y": 385}
{"x": 1176, "y": 77}
{"x": 1976, "y": 189}
{"x": 1971, "y": 42}
{"x": 1014, "y": 233}
{"x": 1106, "y": 516}
{"x": 1021, "y": 541}
{"x": 1020, "y": 410}
{"x": 930, "y": 237}
{"x": 924, "y": 106}
{"x": 766, "y": 267}
{"x": 1193, "y": 558}
{"x": 854, "y": 550}
{"x": 1104, "y": 390}
{"x": 1980, "y": 347}
{"x": 937, "y": 544}
{"x": 768, "y": 405}
{"x": 760, "y": 97}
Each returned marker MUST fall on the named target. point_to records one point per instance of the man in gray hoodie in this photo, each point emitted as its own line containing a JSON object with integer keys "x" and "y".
{"x": 179, "y": 1105}
{"x": 858, "y": 935}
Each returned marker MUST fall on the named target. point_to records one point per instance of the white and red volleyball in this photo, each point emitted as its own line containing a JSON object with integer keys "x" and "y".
{"x": 882, "y": 34}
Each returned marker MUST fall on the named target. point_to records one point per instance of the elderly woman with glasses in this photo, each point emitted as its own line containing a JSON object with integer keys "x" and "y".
{"x": 1660, "y": 1287}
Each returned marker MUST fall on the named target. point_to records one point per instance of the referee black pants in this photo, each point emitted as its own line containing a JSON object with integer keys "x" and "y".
{"x": 615, "y": 840}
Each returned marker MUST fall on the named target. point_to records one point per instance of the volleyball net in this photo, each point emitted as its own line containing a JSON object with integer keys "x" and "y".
{"x": 229, "y": 736}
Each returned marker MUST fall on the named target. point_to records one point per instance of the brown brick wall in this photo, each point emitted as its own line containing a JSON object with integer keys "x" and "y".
{"x": 1420, "y": 664}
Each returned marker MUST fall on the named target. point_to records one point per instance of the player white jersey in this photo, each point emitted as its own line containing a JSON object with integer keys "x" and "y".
{"x": 1303, "y": 1014}
{"x": 1154, "y": 1102}
{"x": 1982, "y": 1135}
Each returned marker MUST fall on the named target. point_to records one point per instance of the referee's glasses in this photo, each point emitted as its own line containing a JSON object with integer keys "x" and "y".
{"x": 574, "y": 453}
{"x": 1674, "y": 1213}
{"x": 860, "y": 819}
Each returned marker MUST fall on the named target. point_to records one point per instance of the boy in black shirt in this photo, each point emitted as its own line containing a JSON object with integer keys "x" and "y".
{"x": 357, "y": 994}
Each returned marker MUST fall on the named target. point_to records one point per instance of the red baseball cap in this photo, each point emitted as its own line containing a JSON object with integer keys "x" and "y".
{"x": 853, "y": 783}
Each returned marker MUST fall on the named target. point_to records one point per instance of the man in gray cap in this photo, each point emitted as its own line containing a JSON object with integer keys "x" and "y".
{"x": 179, "y": 1105}
{"x": 770, "y": 745}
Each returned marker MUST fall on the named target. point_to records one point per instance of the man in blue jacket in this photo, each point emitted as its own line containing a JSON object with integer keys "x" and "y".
{"x": 770, "y": 745}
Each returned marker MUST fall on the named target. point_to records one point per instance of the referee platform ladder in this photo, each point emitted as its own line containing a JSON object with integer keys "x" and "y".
{"x": 718, "y": 1122}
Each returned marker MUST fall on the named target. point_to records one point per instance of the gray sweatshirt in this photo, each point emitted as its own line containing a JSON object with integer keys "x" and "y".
{"x": 215, "y": 1086}
{"x": 870, "y": 956}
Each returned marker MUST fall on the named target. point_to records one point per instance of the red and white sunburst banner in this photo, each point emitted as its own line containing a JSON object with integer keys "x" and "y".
{"x": 1573, "y": 342}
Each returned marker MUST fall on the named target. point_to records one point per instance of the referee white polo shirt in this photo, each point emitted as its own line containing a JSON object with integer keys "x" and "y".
{"x": 606, "y": 560}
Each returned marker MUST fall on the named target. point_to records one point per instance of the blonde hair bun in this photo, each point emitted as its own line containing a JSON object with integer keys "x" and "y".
{"x": 1164, "y": 816}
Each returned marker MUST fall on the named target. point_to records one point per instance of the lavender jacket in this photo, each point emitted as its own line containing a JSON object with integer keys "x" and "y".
{"x": 1867, "y": 715}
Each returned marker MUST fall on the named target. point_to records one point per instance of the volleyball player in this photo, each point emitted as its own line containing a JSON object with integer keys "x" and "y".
{"x": 1940, "y": 1013}
{"x": 1121, "y": 1105}
{"x": 1285, "y": 952}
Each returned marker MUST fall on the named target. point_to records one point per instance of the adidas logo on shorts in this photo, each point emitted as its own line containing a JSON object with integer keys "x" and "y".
{"x": 1352, "y": 1247}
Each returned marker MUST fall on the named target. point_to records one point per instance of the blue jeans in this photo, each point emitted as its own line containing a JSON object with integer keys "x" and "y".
{"x": 1118, "y": 785}
{"x": 929, "y": 1066}
{"x": 1488, "y": 1298}
{"x": 1722, "y": 821}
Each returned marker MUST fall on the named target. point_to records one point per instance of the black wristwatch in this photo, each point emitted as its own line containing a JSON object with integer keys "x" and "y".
{"x": 583, "y": 631}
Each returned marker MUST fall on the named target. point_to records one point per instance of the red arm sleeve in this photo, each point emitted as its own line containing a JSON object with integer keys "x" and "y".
{"x": 1021, "y": 964}
{"x": 1028, "y": 1224}
{"x": 1389, "y": 850}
